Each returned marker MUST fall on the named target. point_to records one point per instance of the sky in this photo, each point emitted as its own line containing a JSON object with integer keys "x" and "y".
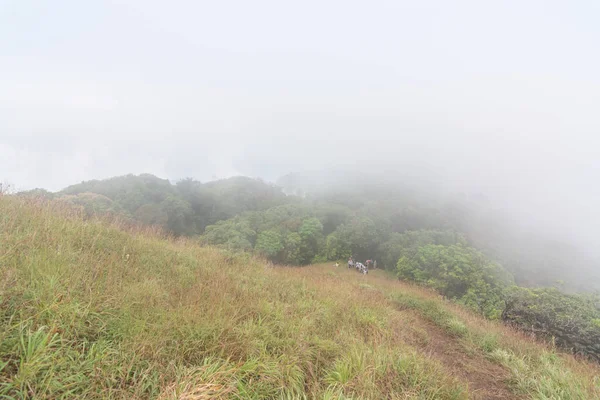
{"x": 501, "y": 98}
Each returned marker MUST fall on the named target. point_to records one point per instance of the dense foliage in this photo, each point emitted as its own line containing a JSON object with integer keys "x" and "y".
{"x": 572, "y": 321}
{"x": 407, "y": 244}
{"x": 458, "y": 272}
{"x": 185, "y": 208}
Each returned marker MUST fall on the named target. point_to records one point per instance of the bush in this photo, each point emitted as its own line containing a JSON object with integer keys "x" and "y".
{"x": 269, "y": 244}
{"x": 460, "y": 273}
{"x": 408, "y": 243}
{"x": 571, "y": 320}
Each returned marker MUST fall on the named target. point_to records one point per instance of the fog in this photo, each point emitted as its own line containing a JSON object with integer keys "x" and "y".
{"x": 478, "y": 98}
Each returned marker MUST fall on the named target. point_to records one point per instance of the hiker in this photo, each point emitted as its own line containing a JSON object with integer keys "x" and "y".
{"x": 360, "y": 267}
{"x": 350, "y": 263}
{"x": 374, "y": 264}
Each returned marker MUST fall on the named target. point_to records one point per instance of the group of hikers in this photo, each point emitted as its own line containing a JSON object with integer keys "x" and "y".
{"x": 360, "y": 267}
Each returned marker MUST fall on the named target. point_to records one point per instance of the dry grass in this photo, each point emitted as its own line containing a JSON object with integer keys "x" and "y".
{"x": 95, "y": 309}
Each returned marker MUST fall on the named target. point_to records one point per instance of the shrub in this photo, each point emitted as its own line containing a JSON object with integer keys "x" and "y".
{"x": 571, "y": 320}
{"x": 460, "y": 273}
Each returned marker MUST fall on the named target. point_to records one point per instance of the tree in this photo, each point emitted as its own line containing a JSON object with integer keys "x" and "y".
{"x": 270, "y": 244}
{"x": 92, "y": 203}
{"x": 189, "y": 204}
{"x": 337, "y": 248}
{"x": 331, "y": 216}
{"x": 361, "y": 234}
{"x": 460, "y": 273}
{"x": 179, "y": 215}
{"x": 233, "y": 234}
{"x": 293, "y": 249}
{"x": 408, "y": 243}
{"x": 311, "y": 233}
{"x": 152, "y": 214}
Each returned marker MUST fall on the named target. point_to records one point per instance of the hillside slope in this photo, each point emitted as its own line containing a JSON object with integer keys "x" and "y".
{"x": 92, "y": 310}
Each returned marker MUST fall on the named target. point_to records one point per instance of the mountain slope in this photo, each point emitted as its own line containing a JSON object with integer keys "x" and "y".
{"x": 90, "y": 309}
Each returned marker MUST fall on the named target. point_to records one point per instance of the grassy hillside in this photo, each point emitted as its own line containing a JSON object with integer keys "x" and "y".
{"x": 92, "y": 310}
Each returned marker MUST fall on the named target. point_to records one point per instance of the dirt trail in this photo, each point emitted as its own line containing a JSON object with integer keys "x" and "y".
{"x": 486, "y": 379}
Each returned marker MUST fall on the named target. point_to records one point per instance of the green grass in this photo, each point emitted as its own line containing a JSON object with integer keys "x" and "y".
{"x": 90, "y": 310}
{"x": 94, "y": 310}
{"x": 537, "y": 372}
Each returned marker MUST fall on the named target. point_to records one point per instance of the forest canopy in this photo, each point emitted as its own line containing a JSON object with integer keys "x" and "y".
{"x": 365, "y": 216}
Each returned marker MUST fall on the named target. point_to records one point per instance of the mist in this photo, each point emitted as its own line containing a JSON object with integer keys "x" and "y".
{"x": 493, "y": 100}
